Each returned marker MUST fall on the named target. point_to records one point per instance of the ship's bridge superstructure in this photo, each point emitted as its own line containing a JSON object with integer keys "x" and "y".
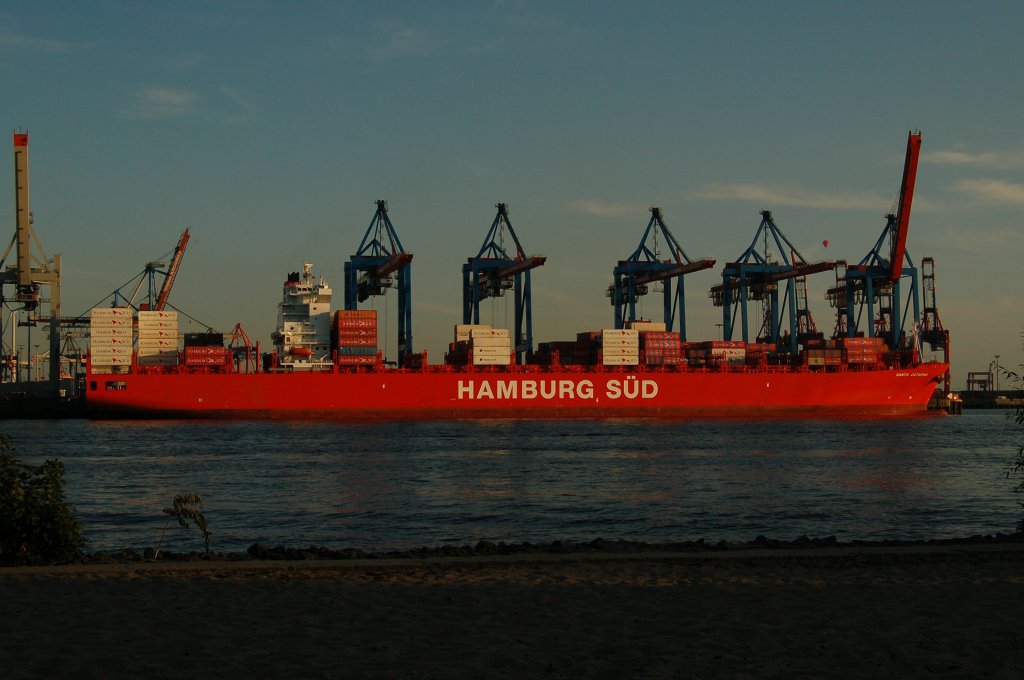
{"x": 303, "y": 336}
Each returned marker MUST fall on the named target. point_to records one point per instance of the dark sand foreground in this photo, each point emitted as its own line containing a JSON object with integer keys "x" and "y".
{"x": 913, "y": 612}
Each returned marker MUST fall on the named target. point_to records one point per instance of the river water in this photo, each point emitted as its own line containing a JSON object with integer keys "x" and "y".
{"x": 404, "y": 485}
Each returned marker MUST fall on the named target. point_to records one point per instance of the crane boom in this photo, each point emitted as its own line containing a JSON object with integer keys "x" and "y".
{"x": 172, "y": 271}
{"x": 775, "y": 276}
{"x": 899, "y": 238}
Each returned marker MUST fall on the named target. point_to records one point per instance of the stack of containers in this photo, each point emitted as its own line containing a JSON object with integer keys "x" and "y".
{"x": 206, "y": 350}
{"x": 725, "y": 352}
{"x": 823, "y": 357}
{"x": 110, "y": 345}
{"x": 757, "y": 353}
{"x": 545, "y": 354}
{"x": 862, "y": 351}
{"x": 661, "y": 348}
{"x": 480, "y": 345}
{"x": 354, "y": 336}
{"x": 587, "y": 344}
{"x": 158, "y": 339}
{"x": 458, "y": 351}
{"x": 490, "y": 346}
{"x": 620, "y": 347}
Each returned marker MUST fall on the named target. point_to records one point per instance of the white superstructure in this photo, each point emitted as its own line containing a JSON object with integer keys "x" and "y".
{"x": 303, "y": 336}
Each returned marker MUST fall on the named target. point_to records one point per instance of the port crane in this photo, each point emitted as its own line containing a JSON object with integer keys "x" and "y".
{"x": 932, "y": 331}
{"x": 378, "y": 262}
{"x": 645, "y": 266}
{"x": 32, "y": 269}
{"x": 872, "y": 287}
{"x": 756, "y": 275}
{"x": 492, "y": 271}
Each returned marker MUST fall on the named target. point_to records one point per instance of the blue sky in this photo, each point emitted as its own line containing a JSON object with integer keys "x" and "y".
{"x": 270, "y": 129}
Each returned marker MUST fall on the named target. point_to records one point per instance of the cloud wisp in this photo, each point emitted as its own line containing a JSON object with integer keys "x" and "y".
{"x": 768, "y": 196}
{"x": 596, "y": 208}
{"x": 992, "y": 191}
{"x": 975, "y": 159}
{"x": 403, "y": 41}
{"x": 21, "y": 41}
{"x": 157, "y": 102}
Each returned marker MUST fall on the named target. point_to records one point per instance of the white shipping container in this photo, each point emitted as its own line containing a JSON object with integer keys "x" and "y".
{"x": 479, "y": 341}
{"x": 103, "y": 355}
{"x": 491, "y": 351}
{"x": 619, "y": 333}
{"x": 620, "y": 360}
{"x": 112, "y": 361}
{"x": 620, "y": 351}
{"x": 110, "y": 313}
{"x": 159, "y": 335}
{"x": 644, "y": 326}
{"x": 161, "y": 343}
{"x": 488, "y": 333}
{"x": 115, "y": 323}
{"x": 487, "y": 360}
{"x": 624, "y": 342}
{"x": 155, "y": 315}
{"x": 110, "y": 331}
{"x": 150, "y": 351}
{"x": 113, "y": 341}
{"x": 158, "y": 324}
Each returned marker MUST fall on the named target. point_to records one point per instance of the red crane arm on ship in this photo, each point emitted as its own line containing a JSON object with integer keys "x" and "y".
{"x": 899, "y": 242}
{"x": 172, "y": 271}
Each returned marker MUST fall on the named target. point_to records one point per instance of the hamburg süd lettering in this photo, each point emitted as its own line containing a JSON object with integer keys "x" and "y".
{"x": 564, "y": 389}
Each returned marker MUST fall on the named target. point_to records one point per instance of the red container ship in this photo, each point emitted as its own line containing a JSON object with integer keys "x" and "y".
{"x": 328, "y": 366}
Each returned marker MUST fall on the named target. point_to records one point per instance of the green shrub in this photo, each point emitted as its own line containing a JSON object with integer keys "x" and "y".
{"x": 37, "y": 526}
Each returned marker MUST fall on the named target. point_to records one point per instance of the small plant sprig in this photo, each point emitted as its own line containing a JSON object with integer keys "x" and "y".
{"x": 189, "y": 507}
{"x": 1016, "y": 469}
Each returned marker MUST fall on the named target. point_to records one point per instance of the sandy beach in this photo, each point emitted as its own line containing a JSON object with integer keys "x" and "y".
{"x": 951, "y": 612}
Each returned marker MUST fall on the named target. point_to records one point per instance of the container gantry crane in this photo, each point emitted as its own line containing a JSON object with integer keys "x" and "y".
{"x": 756, "y": 275}
{"x": 32, "y": 268}
{"x": 645, "y": 266}
{"x": 932, "y": 330}
{"x": 872, "y": 287}
{"x": 378, "y": 262}
{"x": 493, "y": 271}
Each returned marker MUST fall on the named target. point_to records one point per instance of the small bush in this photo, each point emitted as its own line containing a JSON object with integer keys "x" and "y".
{"x": 187, "y": 507}
{"x": 37, "y": 526}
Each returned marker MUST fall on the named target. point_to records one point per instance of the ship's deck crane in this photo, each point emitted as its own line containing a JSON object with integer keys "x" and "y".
{"x": 172, "y": 271}
{"x": 873, "y": 284}
{"x": 644, "y": 266}
{"x": 755, "y": 275}
{"x": 155, "y": 299}
{"x": 493, "y": 271}
{"x": 379, "y": 260}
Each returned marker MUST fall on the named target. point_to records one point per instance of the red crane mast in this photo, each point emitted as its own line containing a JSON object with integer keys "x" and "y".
{"x": 172, "y": 271}
{"x": 899, "y": 238}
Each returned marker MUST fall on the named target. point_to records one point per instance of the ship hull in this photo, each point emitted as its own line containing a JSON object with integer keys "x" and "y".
{"x": 511, "y": 393}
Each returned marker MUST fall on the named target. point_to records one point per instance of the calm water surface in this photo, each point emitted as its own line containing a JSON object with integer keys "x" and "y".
{"x": 411, "y": 484}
